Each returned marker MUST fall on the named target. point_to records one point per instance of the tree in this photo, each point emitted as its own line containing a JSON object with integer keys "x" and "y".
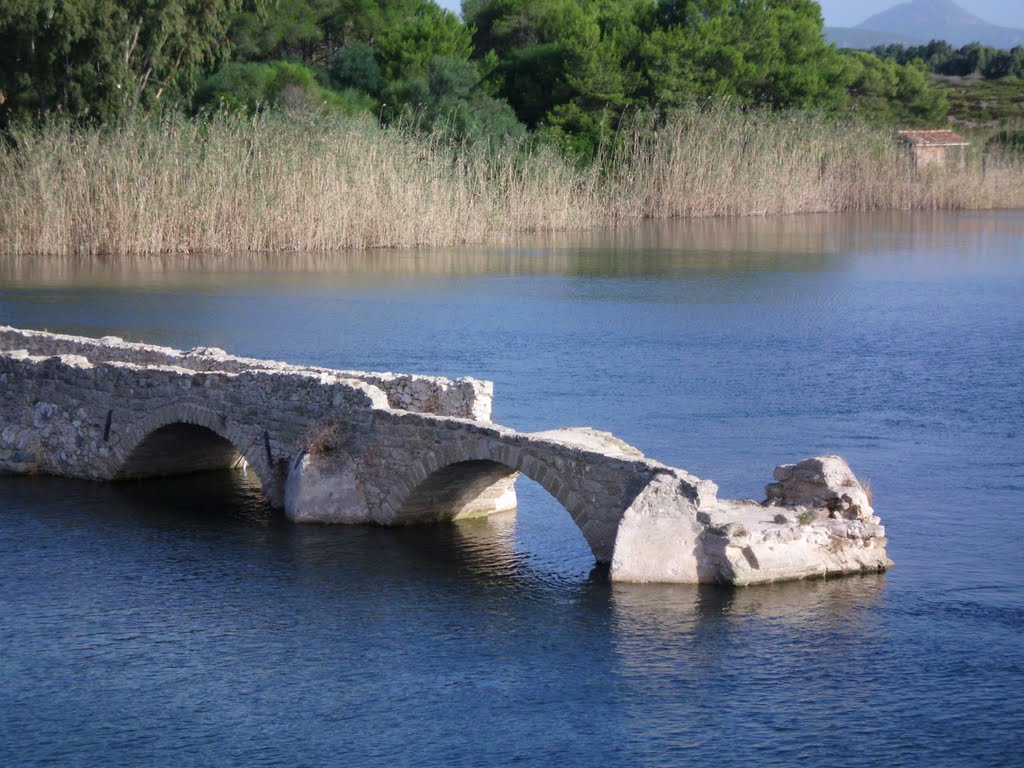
{"x": 285, "y": 29}
{"x": 887, "y": 93}
{"x": 449, "y": 98}
{"x": 313, "y": 31}
{"x": 1002, "y": 64}
{"x": 574, "y": 68}
{"x": 428, "y": 31}
{"x": 356, "y": 67}
{"x": 568, "y": 67}
{"x": 765, "y": 53}
{"x": 100, "y": 60}
{"x": 972, "y": 58}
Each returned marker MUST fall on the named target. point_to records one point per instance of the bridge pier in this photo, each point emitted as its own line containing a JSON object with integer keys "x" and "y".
{"x": 352, "y": 447}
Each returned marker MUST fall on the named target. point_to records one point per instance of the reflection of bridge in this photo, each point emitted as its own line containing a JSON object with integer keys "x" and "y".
{"x": 345, "y": 446}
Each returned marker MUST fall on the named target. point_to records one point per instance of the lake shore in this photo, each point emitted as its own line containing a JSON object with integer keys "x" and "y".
{"x": 280, "y": 182}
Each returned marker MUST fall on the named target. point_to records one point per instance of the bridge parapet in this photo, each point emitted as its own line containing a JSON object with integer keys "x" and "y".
{"x": 464, "y": 397}
{"x": 67, "y": 415}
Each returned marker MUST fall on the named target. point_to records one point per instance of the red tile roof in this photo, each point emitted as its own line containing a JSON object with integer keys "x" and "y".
{"x": 934, "y": 138}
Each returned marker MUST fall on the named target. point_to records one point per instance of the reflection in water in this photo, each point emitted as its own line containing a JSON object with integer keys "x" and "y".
{"x": 231, "y": 504}
{"x": 231, "y": 498}
{"x": 764, "y": 244}
{"x": 644, "y": 610}
{"x": 750, "y": 669}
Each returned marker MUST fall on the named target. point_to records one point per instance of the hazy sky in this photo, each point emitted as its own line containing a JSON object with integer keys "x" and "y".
{"x": 844, "y": 13}
{"x": 847, "y": 13}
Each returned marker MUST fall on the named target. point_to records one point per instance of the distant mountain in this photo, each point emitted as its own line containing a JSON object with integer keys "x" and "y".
{"x": 919, "y": 21}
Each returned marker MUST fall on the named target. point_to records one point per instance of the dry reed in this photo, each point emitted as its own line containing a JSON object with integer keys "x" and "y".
{"x": 322, "y": 439}
{"x": 292, "y": 182}
{"x": 725, "y": 162}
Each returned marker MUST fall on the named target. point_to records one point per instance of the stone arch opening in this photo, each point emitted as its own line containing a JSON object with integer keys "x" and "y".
{"x": 479, "y": 479}
{"x": 180, "y": 449}
{"x": 182, "y": 439}
{"x": 465, "y": 489}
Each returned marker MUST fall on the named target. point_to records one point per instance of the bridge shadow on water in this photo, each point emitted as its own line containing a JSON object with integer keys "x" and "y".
{"x": 227, "y": 508}
{"x": 536, "y": 546}
{"x": 210, "y": 543}
{"x": 180, "y": 449}
{"x": 536, "y": 553}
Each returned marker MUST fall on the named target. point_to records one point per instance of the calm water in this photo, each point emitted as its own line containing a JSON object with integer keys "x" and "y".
{"x": 182, "y": 622}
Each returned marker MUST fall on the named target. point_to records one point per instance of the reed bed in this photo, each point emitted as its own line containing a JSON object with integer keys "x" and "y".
{"x": 274, "y": 182}
{"x": 726, "y": 162}
{"x": 304, "y": 182}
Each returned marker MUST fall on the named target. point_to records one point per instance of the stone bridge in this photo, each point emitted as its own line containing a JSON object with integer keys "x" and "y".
{"x": 395, "y": 449}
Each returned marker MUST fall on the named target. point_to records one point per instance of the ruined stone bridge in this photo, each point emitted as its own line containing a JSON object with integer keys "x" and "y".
{"x": 393, "y": 449}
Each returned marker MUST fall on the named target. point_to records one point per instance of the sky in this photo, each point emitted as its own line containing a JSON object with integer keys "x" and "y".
{"x": 847, "y": 13}
{"x": 844, "y": 13}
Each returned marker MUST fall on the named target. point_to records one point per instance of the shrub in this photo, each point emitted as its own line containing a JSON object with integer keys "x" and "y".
{"x": 356, "y": 67}
{"x": 236, "y": 86}
{"x": 322, "y": 439}
{"x": 807, "y": 517}
{"x": 252, "y": 86}
{"x": 1007, "y": 142}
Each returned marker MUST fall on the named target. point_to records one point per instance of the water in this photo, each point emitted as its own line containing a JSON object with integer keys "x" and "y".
{"x": 182, "y": 622}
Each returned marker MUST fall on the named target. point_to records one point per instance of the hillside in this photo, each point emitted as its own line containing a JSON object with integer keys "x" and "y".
{"x": 919, "y": 21}
{"x": 983, "y": 104}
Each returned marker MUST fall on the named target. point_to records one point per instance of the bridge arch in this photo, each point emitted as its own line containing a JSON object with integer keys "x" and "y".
{"x": 465, "y": 476}
{"x": 181, "y": 438}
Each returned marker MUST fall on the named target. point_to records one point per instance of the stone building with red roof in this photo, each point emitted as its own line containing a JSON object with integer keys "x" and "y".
{"x": 935, "y": 148}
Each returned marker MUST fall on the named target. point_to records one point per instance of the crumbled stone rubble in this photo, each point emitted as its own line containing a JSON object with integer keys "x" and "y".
{"x": 816, "y": 521}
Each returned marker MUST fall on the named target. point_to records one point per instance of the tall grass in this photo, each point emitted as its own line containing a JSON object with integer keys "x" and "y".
{"x": 297, "y": 182}
{"x": 273, "y": 182}
{"x": 725, "y": 162}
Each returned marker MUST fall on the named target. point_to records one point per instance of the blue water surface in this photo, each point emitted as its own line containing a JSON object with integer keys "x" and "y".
{"x": 182, "y": 622}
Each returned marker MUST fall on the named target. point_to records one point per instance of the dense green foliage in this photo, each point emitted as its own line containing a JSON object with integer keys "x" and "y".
{"x": 101, "y": 59}
{"x": 252, "y": 85}
{"x": 570, "y": 70}
{"x": 884, "y": 90}
{"x": 941, "y": 58}
{"x": 574, "y": 68}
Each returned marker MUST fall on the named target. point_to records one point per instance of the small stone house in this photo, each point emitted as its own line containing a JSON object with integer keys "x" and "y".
{"x": 944, "y": 149}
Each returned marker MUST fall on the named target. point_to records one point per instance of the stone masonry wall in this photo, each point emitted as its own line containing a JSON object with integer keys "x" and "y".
{"x": 65, "y": 415}
{"x": 464, "y": 397}
{"x": 402, "y": 451}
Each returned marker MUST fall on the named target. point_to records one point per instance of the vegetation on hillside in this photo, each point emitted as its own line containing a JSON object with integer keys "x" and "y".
{"x": 941, "y": 58}
{"x": 988, "y": 105}
{"x": 982, "y": 86}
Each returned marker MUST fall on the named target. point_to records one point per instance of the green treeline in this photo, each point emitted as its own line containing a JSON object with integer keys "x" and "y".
{"x": 568, "y": 71}
{"x": 940, "y": 58}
